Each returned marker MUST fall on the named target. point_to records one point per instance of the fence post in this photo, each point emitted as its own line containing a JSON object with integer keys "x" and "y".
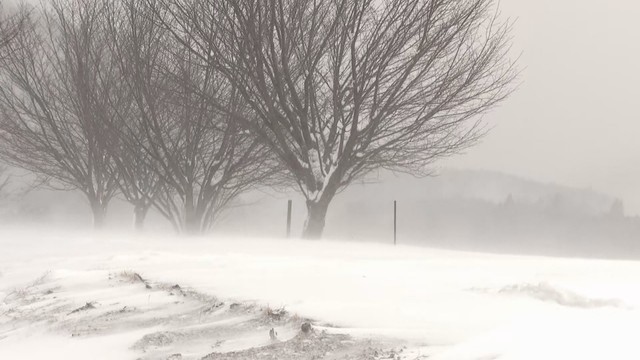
{"x": 289, "y": 204}
{"x": 395, "y": 222}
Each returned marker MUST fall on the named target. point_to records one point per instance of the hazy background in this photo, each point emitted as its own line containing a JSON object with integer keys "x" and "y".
{"x": 570, "y": 130}
{"x": 574, "y": 119}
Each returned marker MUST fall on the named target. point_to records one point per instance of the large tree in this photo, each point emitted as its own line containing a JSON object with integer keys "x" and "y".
{"x": 202, "y": 157}
{"x": 57, "y": 87}
{"x": 339, "y": 88}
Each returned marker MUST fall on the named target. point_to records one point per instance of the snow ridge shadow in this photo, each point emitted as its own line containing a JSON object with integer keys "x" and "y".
{"x": 548, "y": 293}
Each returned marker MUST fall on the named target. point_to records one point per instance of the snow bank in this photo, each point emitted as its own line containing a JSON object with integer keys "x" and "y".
{"x": 426, "y": 297}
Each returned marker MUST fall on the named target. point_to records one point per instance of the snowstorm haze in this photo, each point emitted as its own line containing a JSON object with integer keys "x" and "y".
{"x": 573, "y": 119}
{"x": 571, "y": 122}
{"x": 319, "y": 179}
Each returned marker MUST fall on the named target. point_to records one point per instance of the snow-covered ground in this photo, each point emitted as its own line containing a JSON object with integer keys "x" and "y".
{"x": 440, "y": 304}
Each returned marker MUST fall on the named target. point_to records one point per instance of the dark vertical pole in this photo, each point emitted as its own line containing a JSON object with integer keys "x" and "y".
{"x": 395, "y": 222}
{"x": 289, "y": 218}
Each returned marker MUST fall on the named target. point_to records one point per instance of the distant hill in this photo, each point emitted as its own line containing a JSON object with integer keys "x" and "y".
{"x": 489, "y": 186}
{"x": 488, "y": 211}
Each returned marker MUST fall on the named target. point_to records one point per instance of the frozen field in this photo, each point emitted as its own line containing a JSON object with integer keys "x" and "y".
{"x": 75, "y": 296}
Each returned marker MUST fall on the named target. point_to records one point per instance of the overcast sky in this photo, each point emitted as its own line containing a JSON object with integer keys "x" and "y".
{"x": 574, "y": 119}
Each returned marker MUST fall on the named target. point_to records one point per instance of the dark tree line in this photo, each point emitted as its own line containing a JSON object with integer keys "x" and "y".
{"x": 182, "y": 105}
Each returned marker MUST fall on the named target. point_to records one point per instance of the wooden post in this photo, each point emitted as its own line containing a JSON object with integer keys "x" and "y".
{"x": 289, "y": 219}
{"x": 395, "y": 222}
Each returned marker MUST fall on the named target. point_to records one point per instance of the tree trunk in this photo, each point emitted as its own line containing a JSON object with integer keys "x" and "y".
{"x": 99, "y": 212}
{"x": 316, "y": 214}
{"x": 191, "y": 224}
{"x": 139, "y": 215}
{"x": 192, "y": 221}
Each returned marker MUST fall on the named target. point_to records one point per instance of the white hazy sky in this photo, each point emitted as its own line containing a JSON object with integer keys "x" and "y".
{"x": 574, "y": 119}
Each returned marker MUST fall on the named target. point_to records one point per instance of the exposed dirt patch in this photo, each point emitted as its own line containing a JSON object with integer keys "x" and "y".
{"x": 87, "y": 306}
{"x": 314, "y": 345}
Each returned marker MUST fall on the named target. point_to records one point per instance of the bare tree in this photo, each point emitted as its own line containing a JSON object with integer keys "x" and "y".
{"x": 202, "y": 157}
{"x": 57, "y": 85}
{"x": 339, "y": 88}
{"x": 10, "y": 27}
{"x": 138, "y": 182}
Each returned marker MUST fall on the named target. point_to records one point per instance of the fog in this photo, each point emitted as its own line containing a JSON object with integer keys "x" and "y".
{"x": 176, "y": 184}
{"x": 573, "y": 119}
{"x": 572, "y": 122}
{"x": 468, "y": 210}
